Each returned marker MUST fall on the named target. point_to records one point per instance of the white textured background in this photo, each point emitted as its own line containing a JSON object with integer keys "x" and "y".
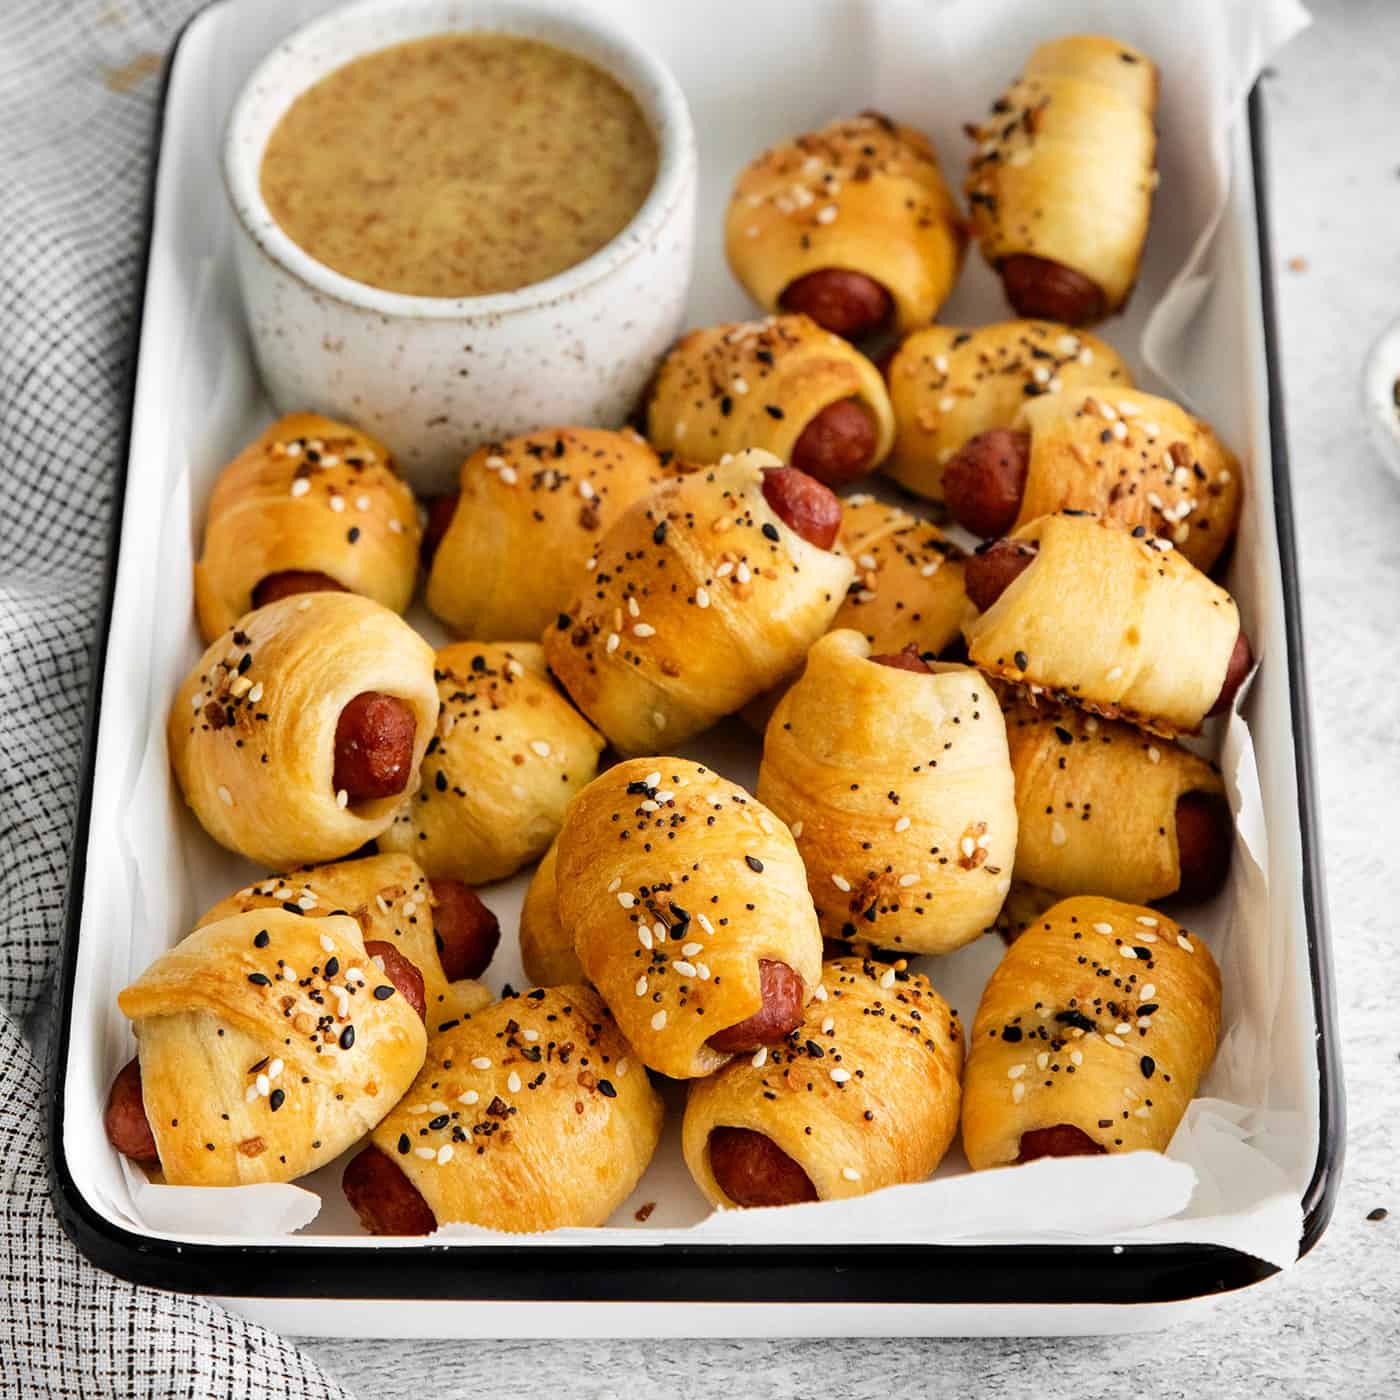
{"x": 1332, "y": 1325}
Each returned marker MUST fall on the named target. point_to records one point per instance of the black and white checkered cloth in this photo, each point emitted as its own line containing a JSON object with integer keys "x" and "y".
{"x": 78, "y": 83}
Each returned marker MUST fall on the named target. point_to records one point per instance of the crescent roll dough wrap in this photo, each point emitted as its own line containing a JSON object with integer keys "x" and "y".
{"x": 759, "y": 384}
{"x": 531, "y": 511}
{"x": 675, "y": 884}
{"x": 864, "y": 1095}
{"x": 1064, "y": 164}
{"x": 948, "y": 384}
{"x": 267, "y": 1047}
{"x": 531, "y": 1115}
{"x": 897, "y": 787}
{"x": 1123, "y": 626}
{"x": 252, "y": 730}
{"x": 509, "y": 754}
{"x": 1135, "y": 459}
{"x": 309, "y": 496}
{"x": 389, "y": 897}
{"x": 1096, "y": 803}
{"x": 701, "y": 597}
{"x": 863, "y": 194}
{"x": 546, "y": 946}
{"x": 1102, "y": 1017}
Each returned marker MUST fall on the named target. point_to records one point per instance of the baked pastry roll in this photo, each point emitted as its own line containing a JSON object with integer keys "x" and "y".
{"x": 689, "y": 911}
{"x": 703, "y": 595}
{"x": 268, "y": 1044}
{"x": 297, "y": 732}
{"x": 1092, "y": 1036}
{"x": 896, "y": 783}
{"x": 530, "y": 1115}
{"x": 508, "y": 755}
{"x": 310, "y": 505}
{"x": 546, "y": 946}
{"x": 1114, "y": 621}
{"x": 863, "y": 1094}
{"x": 781, "y": 384}
{"x": 445, "y": 935}
{"x": 527, "y": 517}
{"x": 1103, "y": 808}
{"x": 1060, "y": 188}
{"x": 852, "y": 224}
{"x": 949, "y": 384}
{"x": 1132, "y": 458}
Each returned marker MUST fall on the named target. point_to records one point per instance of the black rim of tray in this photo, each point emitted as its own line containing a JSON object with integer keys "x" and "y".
{"x": 858, "y": 1274}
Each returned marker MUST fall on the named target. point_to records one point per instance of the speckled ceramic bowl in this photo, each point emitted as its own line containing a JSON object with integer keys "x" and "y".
{"x": 435, "y": 376}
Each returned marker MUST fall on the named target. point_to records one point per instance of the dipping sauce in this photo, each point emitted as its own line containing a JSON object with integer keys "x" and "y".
{"x": 459, "y": 165}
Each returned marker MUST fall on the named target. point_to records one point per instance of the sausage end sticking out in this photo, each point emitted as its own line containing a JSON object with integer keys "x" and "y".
{"x": 386, "y": 1201}
{"x": 784, "y": 995}
{"x": 440, "y": 513}
{"x": 1049, "y": 291}
{"x": 989, "y": 572}
{"x": 804, "y": 505}
{"x": 984, "y": 481}
{"x": 402, "y": 973}
{"x": 752, "y": 1170}
{"x": 906, "y": 660}
{"x": 1204, "y": 838}
{"x": 128, "y": 1129}
{"x": 374, "y": 746}
{"x": 847, "y": 303}
{"x": 292, "y": 581}
{"x": 838, "y": 445}
{"x": 1241, "y": 659}
{"x": 1063, "y": 1140}
{"x": 467, "y": 931}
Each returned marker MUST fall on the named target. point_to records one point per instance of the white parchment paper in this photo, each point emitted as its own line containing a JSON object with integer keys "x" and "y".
{"x": 1241, "y": 1159}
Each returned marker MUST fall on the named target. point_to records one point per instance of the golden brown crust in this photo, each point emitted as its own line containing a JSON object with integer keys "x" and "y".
{"x": 863, "y": 194}
{"x": 308, "y": 495}
{"x": 531, "y": 1115}
{"x": 387, "y": 895}
{"x": 1103, "y": 1016}
{"x": 531, "y": 512}
{"x": 1124, "y": 626}
{"x": 1096, "y": 802}
{"x": 948, "y": 384}
{"x": 1137, "y": 460}
{"x": 252, "y": 728}
{"x": 546, "y": 946}
{"x": 863, "y": 1095}
{"x": 675, "y": 883}
{"x": 508, "y": 755}
{"x": 898, "y": 789}
{"x": 700, "y": 599}
{"x": 1064, "y": 167}
{"x": 759, "y": 384}
{"x": 265, "y": 1048}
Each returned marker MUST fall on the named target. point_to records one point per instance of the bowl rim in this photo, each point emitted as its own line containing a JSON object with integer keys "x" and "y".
{"x": 551, "y": 21}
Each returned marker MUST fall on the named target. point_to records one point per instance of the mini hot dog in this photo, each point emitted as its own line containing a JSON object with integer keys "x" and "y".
{"x": 851, "y": 225}
{"x": 783, "y": 385}
{"x": 863, "y": 1094}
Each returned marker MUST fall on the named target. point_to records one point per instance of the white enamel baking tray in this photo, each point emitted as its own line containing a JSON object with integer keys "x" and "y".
{"x": 195, "y": 399}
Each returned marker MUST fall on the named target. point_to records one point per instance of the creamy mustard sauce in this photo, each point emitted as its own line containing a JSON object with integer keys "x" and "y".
{"x": 459, "y": 165}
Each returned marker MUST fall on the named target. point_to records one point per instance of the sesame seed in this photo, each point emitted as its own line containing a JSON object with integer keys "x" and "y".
{"x": 704, "y": 923}
{"x": 1122, "y": 1028}
{"x": 337, "y": 503}
{"x": 626, "y": 899}
{"x": 225, "y": 796}
{"x": 644, "y": 937}
{"x": 469, "y": 1098}
{"x": 1103, "y": 928}
{"x": 702, "y": 969}
{"x": 887, "y": 978}
{"x": 742, "y": 573}
{"x": 1113, "y": 1040}
{"x": 615, "y": 884}
{"x": 644, "y": 629}
{"x": 819, "y": 994}
{"x": 1018, "y": 1091}
{"x": 1015, "y": 1072}
{"x": 1154, "y": 754}
{"x": 1147, "y": 991}
{"x": 902, "y": 824}
{"x": 1058, "y": 835}
{"x": 256, "y": 693}
{"x": 658, "y": 1022}
{"x": 1076, "y": 1057}
{"x": 828, "y": 1025}
{"x": 481, "y": 1062}
{"x": 530, "y": 1034}
{"x": 685, "y": 969}
{"x": 342, "y": 798}
{"x": 946, "y": 403}
{"x": 513, "y": 1083}
{"x": 300, "y": 486}
{"x": 1042, "y": 1060}
{"x": 1115, "y": 674}
{"x": 540, "y": 747}
{"x": 690, "y": 950}
{"x": 827, "y": 214}
{"x": 613, "y": 642}
{"x": 967, "y": 846}
{"x": 1185, "y": 943}
{"x": 1146, "y": 920}
{"x": 841, "y": 883}
{"x": 760, "y": 1057}
{"x": 839, "y": 1075}
{"x": 797, "y": 829}
{"x": 850, "y": 1173}
{"x": 906, "y": 880}
{"x": 1128, "y": 953}
{"x": 658, "y": 719}
{"x": 508, "y": 475}
{"x": 426, "y": 1153}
